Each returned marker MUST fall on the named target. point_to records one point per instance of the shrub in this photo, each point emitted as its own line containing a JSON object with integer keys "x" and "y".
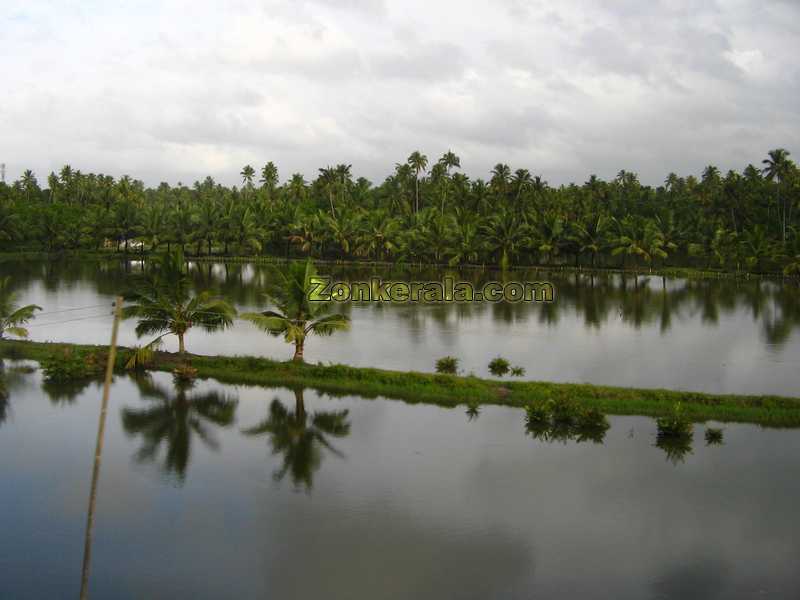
{"x": 518, "y": 371}
{"x": 565, "y": 412}
{"x": 592, "y": 419}
{"x": 473, "y": 410}
{"x": 184, "y": 374}
{"x": 499, "y": 366}
{"x": 69, "y": 364}
{"x": 537, "y": 414}
{"x": 447, "y": 364}
{"x": 674, "y": 424}
{"x": 713, "y": 436}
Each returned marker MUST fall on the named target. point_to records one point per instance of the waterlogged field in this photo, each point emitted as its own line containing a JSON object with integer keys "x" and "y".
{"x": 722, "y": 336}
{"x": 222, "y": 491}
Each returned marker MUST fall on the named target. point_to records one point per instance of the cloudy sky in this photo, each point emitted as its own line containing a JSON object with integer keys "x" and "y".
{"x": 172, "y": 90}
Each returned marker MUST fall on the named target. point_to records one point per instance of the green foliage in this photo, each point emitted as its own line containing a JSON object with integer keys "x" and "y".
{"x": 499, "y": 366}
{"x": 674, "y": 424}
{"x": 13, "y": 317}
{"x": 518, "y": 371}
{"x": 72, "y": 364}
{"x": 426, "y": 211}
{"x": 447, "y": 364}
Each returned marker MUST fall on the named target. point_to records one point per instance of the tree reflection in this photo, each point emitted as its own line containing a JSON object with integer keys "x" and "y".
{"x": 300, "y": 438}
{"x": 676, "y": 448}
{"x": 174, "y": 418}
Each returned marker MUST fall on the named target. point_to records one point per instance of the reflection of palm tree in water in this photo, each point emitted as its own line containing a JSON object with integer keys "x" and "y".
{"x": 174, "y": 420}
{"x": 9, "y": 379}
{"x": 300, "y": 437}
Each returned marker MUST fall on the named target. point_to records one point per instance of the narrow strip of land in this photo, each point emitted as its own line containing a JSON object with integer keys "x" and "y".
{"x": 447, "y": 390}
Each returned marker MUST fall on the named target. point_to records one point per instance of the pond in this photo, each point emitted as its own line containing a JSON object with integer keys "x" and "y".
{"x": 244, "y": 492}
{"x": 722, "y": 336}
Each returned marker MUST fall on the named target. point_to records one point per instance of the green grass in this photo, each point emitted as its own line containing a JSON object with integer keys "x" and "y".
{"x": 452, "y": 390}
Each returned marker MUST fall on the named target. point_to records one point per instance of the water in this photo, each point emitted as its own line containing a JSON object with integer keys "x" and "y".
{"x": 203, "y": 495}
{"x": 719, "y": 336}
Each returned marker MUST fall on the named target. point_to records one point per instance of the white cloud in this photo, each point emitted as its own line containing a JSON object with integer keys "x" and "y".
{"x": 176, "y": 90}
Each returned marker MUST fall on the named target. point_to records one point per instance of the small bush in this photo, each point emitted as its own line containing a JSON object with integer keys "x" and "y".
{"x": 565, "y": 412}
{"x": 499, "y": 366}
{"x": 537, "y": 414}
{"x": 675, "y": 424}
{"x": 473, "y": 411}
{"x": 447, "y": 364}
{"x": 69, "y": 364}
{"x": 184, "y": 374}
{"x": 592, "y": 419}
{"x": 713, "y": 436}
{"x": 518, "y": 371}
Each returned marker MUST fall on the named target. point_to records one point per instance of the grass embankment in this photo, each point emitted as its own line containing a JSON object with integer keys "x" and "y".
{"x": 451, "y": 390}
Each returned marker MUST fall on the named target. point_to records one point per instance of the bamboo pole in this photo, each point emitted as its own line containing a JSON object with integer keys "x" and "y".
{"x": 98, "y": 452}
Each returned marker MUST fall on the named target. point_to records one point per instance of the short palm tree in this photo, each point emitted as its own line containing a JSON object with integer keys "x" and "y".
{"x": 164, "y": 304}
{"x": 13, "y": 317}
{"x": 297, "y": 316}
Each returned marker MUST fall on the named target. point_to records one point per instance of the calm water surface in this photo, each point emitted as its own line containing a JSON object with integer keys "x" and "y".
{"x": 706, "y": 335}
{"x": 220, "y": 491}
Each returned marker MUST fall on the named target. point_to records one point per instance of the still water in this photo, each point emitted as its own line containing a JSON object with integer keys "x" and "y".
{"x": 707, "y": 335}
{"x": 247, "y": 492}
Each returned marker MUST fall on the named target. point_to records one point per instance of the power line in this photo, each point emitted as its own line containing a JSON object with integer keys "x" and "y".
{"x": 68, "y": 320}
{"x": 53, "y": 312}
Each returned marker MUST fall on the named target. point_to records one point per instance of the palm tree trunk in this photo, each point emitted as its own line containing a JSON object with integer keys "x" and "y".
{"x": 299, "y": 404}
{"x": 298, "y": 350}
{"x": 181, "y": 345}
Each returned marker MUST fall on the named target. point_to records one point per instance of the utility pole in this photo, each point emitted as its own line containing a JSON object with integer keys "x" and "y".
{"x": 98, "y": 452}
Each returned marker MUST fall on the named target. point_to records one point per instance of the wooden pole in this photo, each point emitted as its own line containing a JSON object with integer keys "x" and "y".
{"x": 98, "y": 452}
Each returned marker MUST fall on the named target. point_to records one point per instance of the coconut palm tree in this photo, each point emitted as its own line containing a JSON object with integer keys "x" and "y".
{"x": 418, "y": 162}
{"x": 165, "y": 305}
{"x": 297, "y": 316}
{"x": 269, "y": 178}
{"x": 300, "y": 437}
{"x": 13, "y": 317}
{"x": 779, "y": 167}
{"x": 247, "y": 174}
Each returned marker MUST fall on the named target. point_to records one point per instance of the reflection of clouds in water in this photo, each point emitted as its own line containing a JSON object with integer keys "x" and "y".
{"x": 734, "y": 336}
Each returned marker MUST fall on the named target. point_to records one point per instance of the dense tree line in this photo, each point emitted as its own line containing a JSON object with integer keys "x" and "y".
{"x": 426, "y": 211}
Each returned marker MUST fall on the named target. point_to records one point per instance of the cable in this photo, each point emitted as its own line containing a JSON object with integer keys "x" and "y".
{"x": 53, "y": 312}
{"x": 67, "y": 321}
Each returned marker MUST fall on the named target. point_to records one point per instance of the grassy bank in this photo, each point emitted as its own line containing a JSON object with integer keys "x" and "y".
{"x": 452, "y": 390}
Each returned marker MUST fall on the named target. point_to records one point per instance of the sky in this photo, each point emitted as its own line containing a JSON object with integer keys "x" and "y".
{"x": 174, "y": 91}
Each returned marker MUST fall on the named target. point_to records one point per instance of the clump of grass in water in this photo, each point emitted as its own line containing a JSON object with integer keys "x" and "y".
{"x": 184, "y": 374}
{"x": 713, "y": 436}
{"x": 473, "y": 411}
{"x": 564, "y": 420}
{"x": 447, "y": 364}
{"x": 675, "y": 424}
{"x": 499, "y": 366}
{"x": 675, "y": 434}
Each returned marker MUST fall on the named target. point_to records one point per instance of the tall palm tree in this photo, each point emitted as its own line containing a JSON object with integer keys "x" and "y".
{"x": 248, "y": 172}
{"x": 297, "y": 316}
{"x": 418, "y": 162}
{"x": 13, "y": 317}
{"x": 328, "y": 177}
{"x": 269, "y": 178}
{"x": 779, "y": 167}
{"x": 300, "y": 437}
{"x": 164, "y": 304}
